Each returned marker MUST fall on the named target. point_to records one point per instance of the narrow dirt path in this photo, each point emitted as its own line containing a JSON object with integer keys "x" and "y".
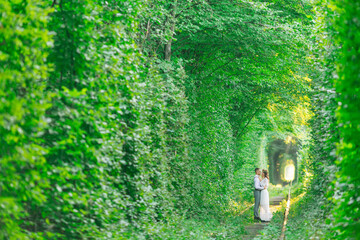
{"x": 252, "y": 230}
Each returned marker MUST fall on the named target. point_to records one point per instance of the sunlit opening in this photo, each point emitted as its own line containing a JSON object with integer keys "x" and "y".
{"x": 289, "y": 172}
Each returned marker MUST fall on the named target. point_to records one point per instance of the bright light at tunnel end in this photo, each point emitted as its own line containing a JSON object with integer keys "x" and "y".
{"x": 289, "y": 172}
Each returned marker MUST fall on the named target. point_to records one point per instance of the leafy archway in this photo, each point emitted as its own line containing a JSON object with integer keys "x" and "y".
{"x": 282, "y": 155}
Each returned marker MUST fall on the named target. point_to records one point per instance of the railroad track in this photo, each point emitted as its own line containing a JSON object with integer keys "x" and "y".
{"x": 253, "y": 230}
{"x": 282, "y": 236}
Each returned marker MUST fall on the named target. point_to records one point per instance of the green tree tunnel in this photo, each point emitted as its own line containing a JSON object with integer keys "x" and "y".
{"x": 145, "y": 119}
{"x": 282, "y": 156}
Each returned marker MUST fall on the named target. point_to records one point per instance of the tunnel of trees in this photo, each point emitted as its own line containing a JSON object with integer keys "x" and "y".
{"x": 145, "y": 119}
{"x": 282, "y": 155}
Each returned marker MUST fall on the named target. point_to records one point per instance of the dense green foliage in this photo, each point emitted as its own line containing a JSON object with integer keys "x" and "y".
{"x": 347, "y": 85}
{"x": 143, "y": 119}
{"x": 330, "y": 207}
{"x": 97, "y": 168}
{"x": 23, "y": 70}
{"x": 335, "y": 131}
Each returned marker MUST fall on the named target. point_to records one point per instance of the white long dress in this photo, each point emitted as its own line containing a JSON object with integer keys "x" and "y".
{"x": 265, "y": 213}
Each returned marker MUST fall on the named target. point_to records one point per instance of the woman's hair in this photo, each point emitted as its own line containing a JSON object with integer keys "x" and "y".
{"x": 266, "y": 174}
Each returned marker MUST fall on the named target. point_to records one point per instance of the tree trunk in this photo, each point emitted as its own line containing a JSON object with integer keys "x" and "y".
{"x": 172, "y": 21}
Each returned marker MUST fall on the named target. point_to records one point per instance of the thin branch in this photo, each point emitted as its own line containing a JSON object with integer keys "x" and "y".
{"x": 146, "y": 34}
{"x": 172, "y": 22}
{"x": 257, "y": 110}
{"x": 231, "y": 60}
{"x": 177, "y": 15}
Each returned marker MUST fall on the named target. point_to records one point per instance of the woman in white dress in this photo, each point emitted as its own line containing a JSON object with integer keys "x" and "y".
{"x": 265, "y": 213}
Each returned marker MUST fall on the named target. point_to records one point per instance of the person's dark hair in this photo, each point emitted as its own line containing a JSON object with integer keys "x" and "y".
{"x": 256, "y": 169}
{"x": 266, "y": 174}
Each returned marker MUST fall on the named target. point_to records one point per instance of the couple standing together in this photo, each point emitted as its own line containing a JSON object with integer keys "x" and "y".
{"x": 261, "y": 196}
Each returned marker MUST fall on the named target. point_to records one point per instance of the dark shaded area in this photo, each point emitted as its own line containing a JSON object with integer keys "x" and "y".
{"x": 281, "y": 154}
